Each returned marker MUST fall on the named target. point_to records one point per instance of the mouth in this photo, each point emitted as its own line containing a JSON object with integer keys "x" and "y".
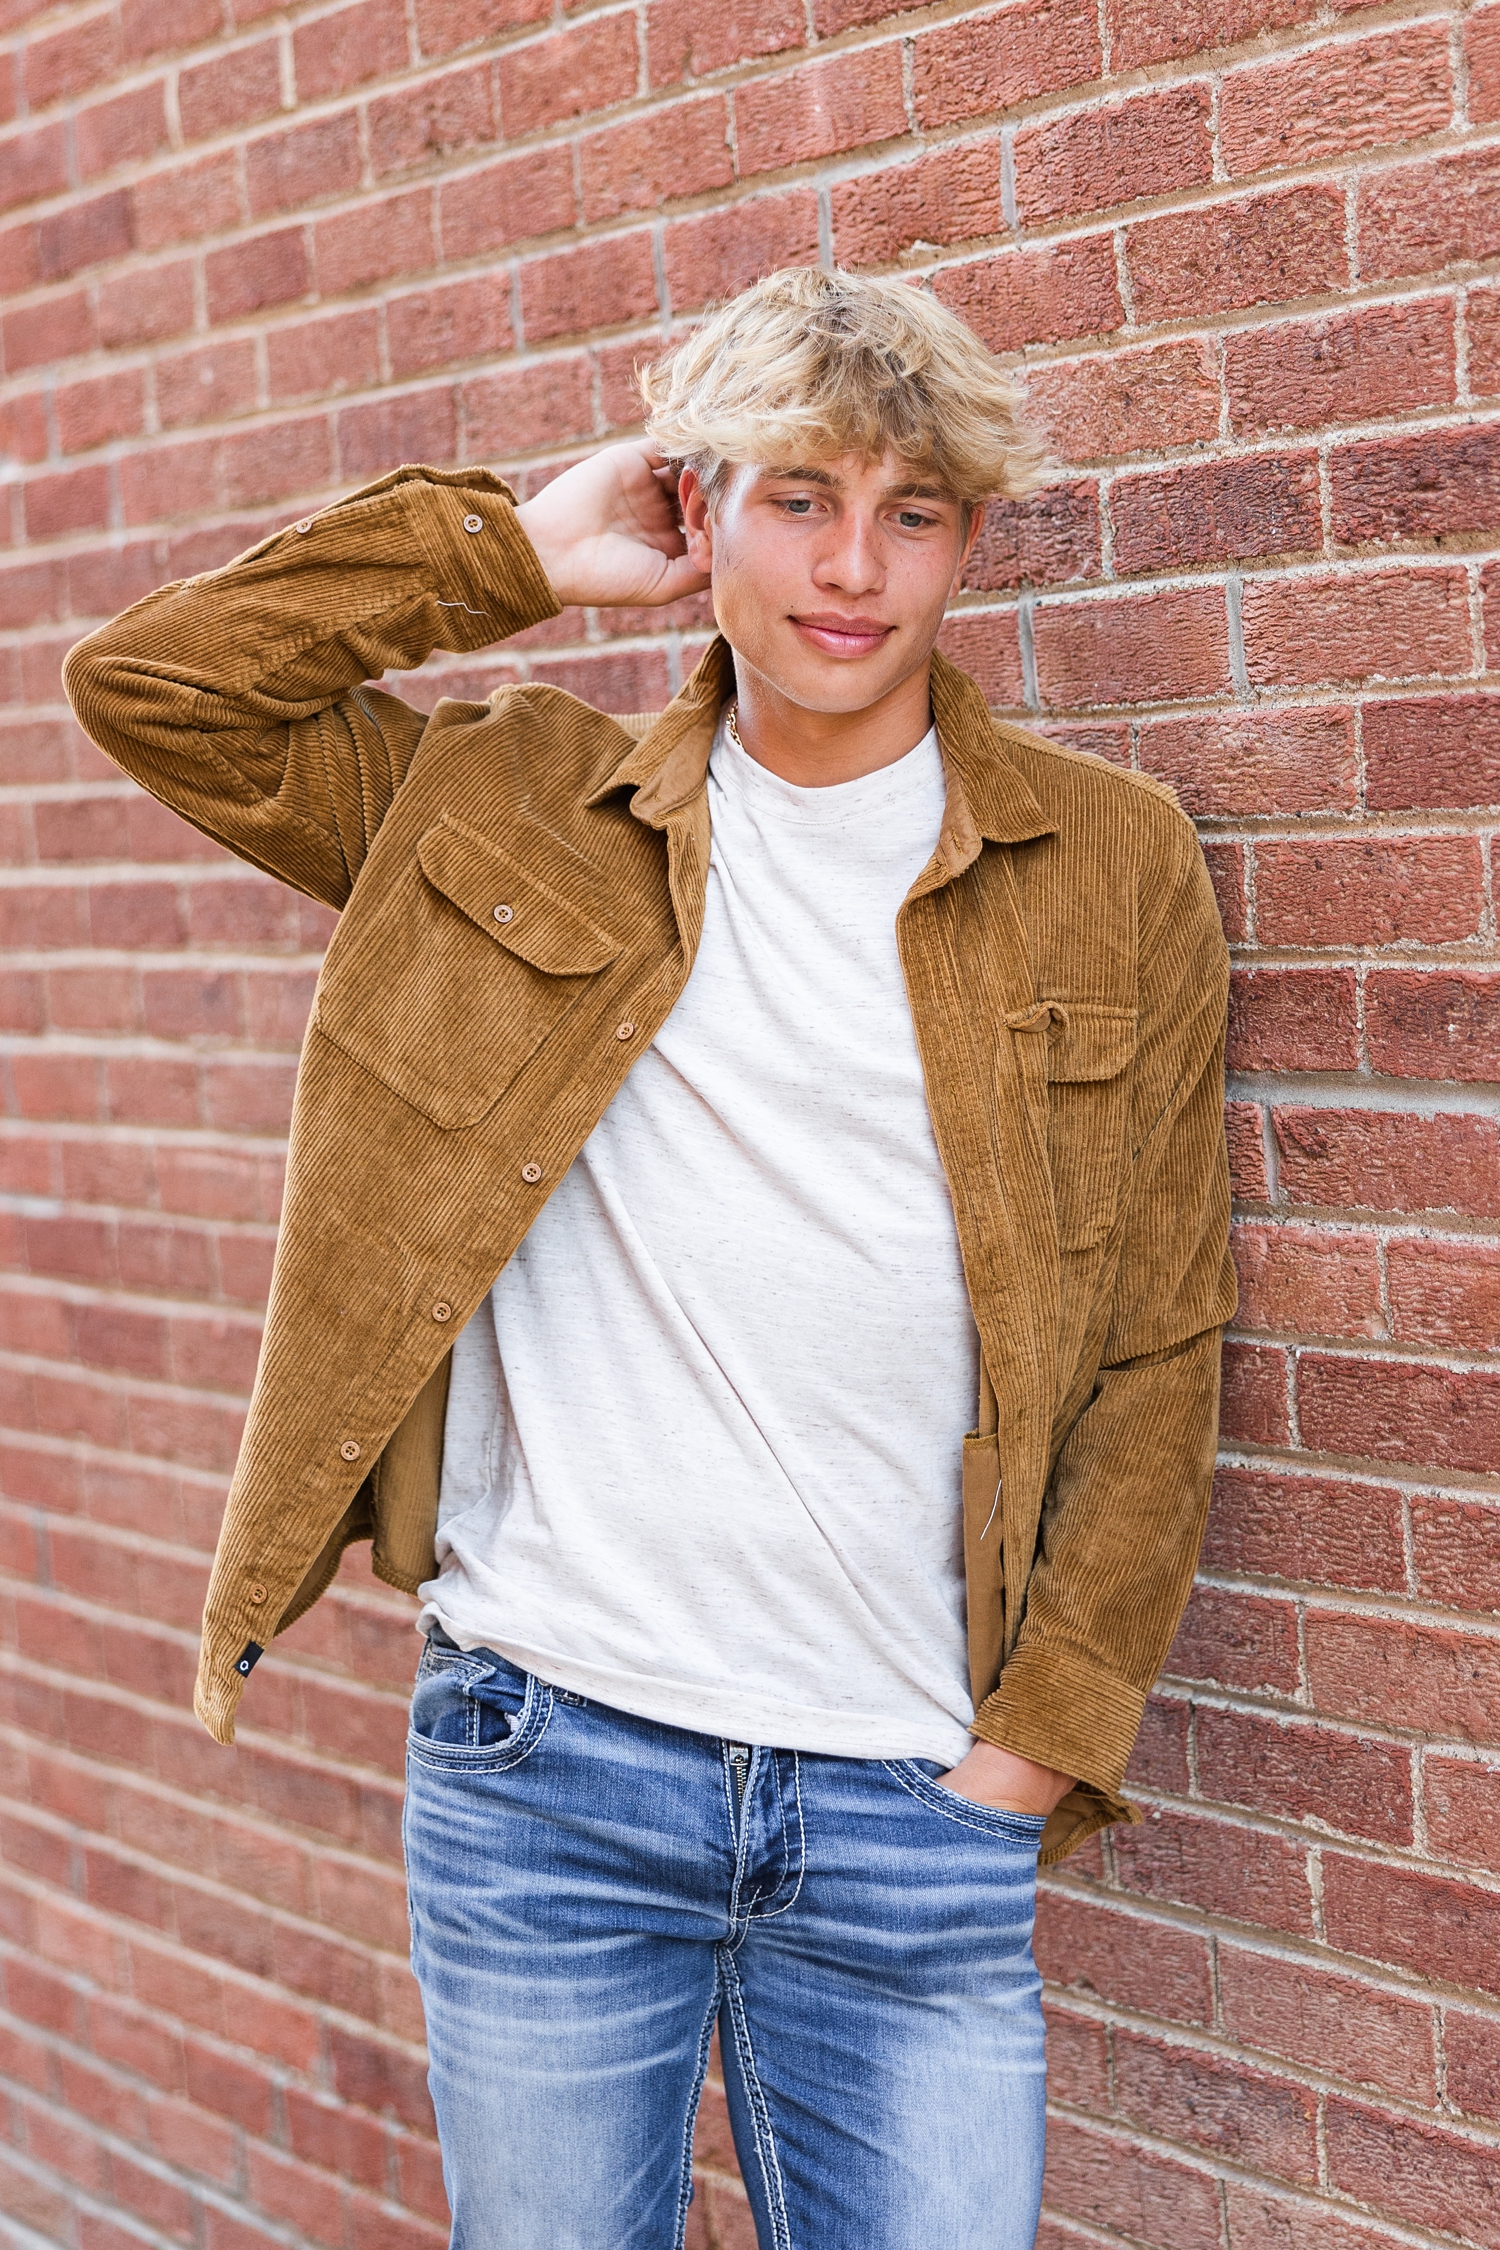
{"x": 842, "y": 636}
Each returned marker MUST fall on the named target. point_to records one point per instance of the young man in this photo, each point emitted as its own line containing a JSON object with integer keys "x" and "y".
{"x": 753, "y": 1257}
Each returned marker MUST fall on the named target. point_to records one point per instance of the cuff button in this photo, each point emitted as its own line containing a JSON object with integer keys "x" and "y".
{"x": 531, "y": 1173}
{"x": 442, "y": 1310}
{"x": 473, "y": 523}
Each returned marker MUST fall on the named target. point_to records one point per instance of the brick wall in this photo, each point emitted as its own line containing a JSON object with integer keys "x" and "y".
{"x": 1245, "y": 252}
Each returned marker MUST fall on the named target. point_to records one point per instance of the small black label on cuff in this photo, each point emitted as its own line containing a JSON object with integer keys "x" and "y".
{"x": 249, "y": 1656}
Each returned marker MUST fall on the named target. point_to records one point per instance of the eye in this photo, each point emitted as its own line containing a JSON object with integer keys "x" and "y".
{"x": 912, "y": 519}
{"x": 800, "y": 505}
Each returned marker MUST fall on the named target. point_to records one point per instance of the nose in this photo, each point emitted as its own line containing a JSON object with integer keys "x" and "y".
{"x": 852, "y": 561}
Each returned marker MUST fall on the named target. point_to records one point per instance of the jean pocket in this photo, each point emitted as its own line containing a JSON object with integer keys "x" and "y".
{"x": 1023, "y": 1831}
{"x": 474, "y": 1712}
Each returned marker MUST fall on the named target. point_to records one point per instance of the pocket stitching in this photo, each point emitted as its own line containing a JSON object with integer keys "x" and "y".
{"x": 927, "y": 1793}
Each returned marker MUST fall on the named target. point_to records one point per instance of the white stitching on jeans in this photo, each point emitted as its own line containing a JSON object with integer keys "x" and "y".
{"x": 765, "y": 2139}
{"x": 979, "y": 1827}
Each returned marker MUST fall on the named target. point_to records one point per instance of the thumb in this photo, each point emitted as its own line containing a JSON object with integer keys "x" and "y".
{"x": 679, "y": 577}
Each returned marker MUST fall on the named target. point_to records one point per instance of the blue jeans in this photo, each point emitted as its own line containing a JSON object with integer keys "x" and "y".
{"x": 591, "y": 1893}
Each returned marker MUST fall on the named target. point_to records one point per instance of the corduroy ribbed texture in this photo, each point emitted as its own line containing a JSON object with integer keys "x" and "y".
{"x": 1067, "y": 976}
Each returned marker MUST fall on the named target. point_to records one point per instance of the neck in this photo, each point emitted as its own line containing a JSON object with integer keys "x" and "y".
{"x": 818, "y": 749}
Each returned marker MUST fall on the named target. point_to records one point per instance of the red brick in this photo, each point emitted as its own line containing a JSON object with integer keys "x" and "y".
{"x": 1418, "y": 218}
{"x": 655, "y": 158}
{"x": 987, "y": 645}
{"x": 1432, "y": 750}
{"x": 1380, "y": 624}
{"x": 1247, "y": 762}
{"x": 468, "y": 319}
{"x": 443, "y": 25}
{"x": 1422, "y": 487}
{"x": 1122, "y": 402}
{"x": 36, "y": 164}
{"x": 1482, "y": 55}
{"x": 1395, "y": 1410}
{"x": 1257, "y": 504}
{"x": 382, "y": 236}
{"x": 1416, "y": 2172}
{"x": 434, "y": 117}
{"x": 143, "y": 33}
{"x": 1457, "y": 1551}
{"x": 509, "y": 201}
{"x": 1147, "y": 31}
{"x": 300, "y": 164}
{"x": 85, "y": 234}
{"x": 1227, "y": 872}
{"x": 1041, "y": 296}
{"x": 1483, "y": 322}
{"x": 1308, "y": 1281}
{"x": 1473, "y": 2054}
{"x": 341, "y": 50}
{"x": 526, "y": 405}
{"x": 1077, "y": 2059}
{"x": 1339, "y": 96}
{"x": 123, "y": 130}
{"x": 1133, "y": 2191}
{"x": 1045, "y": 540}
{"x": 615, "y": 680}
{"x": 1098, "y": 159}
{"x": 1463, "y": 1824}
{"x": 266, "y": 269}
{"x": 417, "y": 426}
{"x": 1143, "y": 648}
{"x": 1213, "y": 2103}
{"x": 76, "y": 500}
{"x": 1220, "y": 256}
{"x": 1244, "y": 1130}
{"x": 1239, "y": 1640}
{"x": 137, "y": 310}
{"x": 1443, "y": 1682}
{"x": 1086, "y": 1945}
{"x": 1443, "y": 1025}
{"x": 951, "y": 195}
{"x": 1337, "y": 2024}
{"x": 80, "y": 54}
{"x": 320, "y": 358}
{"x": 1446, "y": 1293}
{"x": 1320, "y": 1531}
{"x": 205, "y": 385}
{"x": 684, "y": 40}
{"x": 23, "y": 427}
{"x": 820, "y": 109}
{"x": 92, "y": 412}
{"x": 1389, "y": 1160}
{"x": 1253, "y": 1403}
{"x": 1343, "y": 367}
{"x": 52, "y": 329}
{"x": 1009, "y": 54}
{"x": 232, "y": 89}
{"x": 1285, "y": 1766}
{"x": 602, "y": 284}
{"x": 1428, "y": 890}
{"x": 718, "y": 253}
{"x": 568, "y": 73}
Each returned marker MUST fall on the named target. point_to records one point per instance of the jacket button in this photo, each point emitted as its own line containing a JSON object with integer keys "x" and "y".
{"x": 505, "y": 913}
{"x": 531, "y": 1173}
{"x": 257, "y": 1593}
{"x": 350, "y": 1449}
{"x": 625, "y": 1030}
{"x": 442, "y": 1310}
{"x": 304, "y": 525}
{"x": 473, "y": 523}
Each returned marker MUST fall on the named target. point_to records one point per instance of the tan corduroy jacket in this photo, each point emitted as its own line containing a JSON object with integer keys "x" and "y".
{"x": 523, "y": 886}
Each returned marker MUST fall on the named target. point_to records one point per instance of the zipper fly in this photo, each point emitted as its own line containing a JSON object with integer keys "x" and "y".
{"x": 738, "y": 1754}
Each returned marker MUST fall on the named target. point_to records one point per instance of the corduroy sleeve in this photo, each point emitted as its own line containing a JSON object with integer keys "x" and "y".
{"x": 1125, "y": 1506}
{"x": 238, "y": 697}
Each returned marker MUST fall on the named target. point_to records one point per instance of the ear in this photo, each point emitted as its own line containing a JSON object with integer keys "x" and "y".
{"x": 976, "y": 525}
{"x": 697, "y": 523}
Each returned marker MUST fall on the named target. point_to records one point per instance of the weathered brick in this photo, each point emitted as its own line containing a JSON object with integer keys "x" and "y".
{"x": 1220, "y": 256}
{"x": 1384, "y": 624}
{"x": 1088, "y": 1946}
{"x": 1342, "y": 367}
{"x": 301, "y": 164}
{"x": 1120, "y": 402}
{"x": 1137, "y": 649}
{"x": 265, "y": 269}
{"x": 1044, "y": 540}
{"x": 373, "y": 241}
{"x": 1390, "y": 1672}
{"x": 1097, "y": 159}
{"x": 1253, "y": 1398}
{"x": 1137, "y": 2192}
{"x": 820, "y": 109}
{"x": 1336, "y": 97}
{"x": 1275, "y": 761}
{"x": 1006, "y": 55}
{"x": 603, "y": 284}
{"x": 654, "y": 159}
{"x": 1254, "y": 504}
{"x": 1456, "y": 1551}
{"x": 1313, "y": 1530}
{"x": 987, "y": 645}
{"x": 337, "y": 51}
{"x": 444, "y": 25}
{"x": 1213, "y": 2103}
{"x": 951, "y": 195}
{"x": 1423, "y": 487}
{"x": 1238, "y": 1640}
{"x": 1419, "y": 218}
{"x": 123, "y": 130}
{"x": 1345, "y": 1781}
{"x": 519, "y": 196}
{"x": 568, "y": 73}
{"x": 1308, "y": 1280}
{"x": 1037, "y": 296}
{"x": 684, "y": 41}
{"x": 321, "y": 357}
{"x": 1429, "y": 891}
{"x": 1148, "y": 31}
{"x": 1416, "y": 2172}
{"x": 1332, "y": 2023}
{"x": 1433, "y": 1025}
{"x": 1445, "y": 1292}
{"x": 1397, "y": 1410}
{"x": 1293, "y": 1019}
{"x": 237, "y": 88}
{"x": 1472, "y": 2043}
{"x": 436, "y": 117}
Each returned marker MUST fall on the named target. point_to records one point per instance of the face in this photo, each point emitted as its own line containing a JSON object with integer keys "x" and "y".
{"x": 830, "y": 579}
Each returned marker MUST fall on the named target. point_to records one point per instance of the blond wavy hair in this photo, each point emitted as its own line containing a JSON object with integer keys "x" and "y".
{"x": 807, "y": 366}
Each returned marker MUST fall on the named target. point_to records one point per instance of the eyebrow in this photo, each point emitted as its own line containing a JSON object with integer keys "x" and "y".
{"x": 914, "y": 488}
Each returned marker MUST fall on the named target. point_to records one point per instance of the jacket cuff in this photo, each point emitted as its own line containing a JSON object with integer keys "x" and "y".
{"x": 1057, "y": 1707}
{"x": 464, "y": 523}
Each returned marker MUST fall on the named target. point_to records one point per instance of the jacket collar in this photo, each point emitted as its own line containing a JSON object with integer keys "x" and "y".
{"x": 988, "y": 798}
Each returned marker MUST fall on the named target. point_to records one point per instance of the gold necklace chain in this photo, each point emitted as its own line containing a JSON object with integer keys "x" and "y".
{"x": 731, "y": 721}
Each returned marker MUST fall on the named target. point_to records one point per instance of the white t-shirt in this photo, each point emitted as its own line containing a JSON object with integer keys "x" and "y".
{"x": 704, "y": 1440}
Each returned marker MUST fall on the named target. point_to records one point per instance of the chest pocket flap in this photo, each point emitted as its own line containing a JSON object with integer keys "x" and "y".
{"x": 511, "y": 905}
{"x": 444, "y": 982}
{"x": 1089, "y": 1054}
